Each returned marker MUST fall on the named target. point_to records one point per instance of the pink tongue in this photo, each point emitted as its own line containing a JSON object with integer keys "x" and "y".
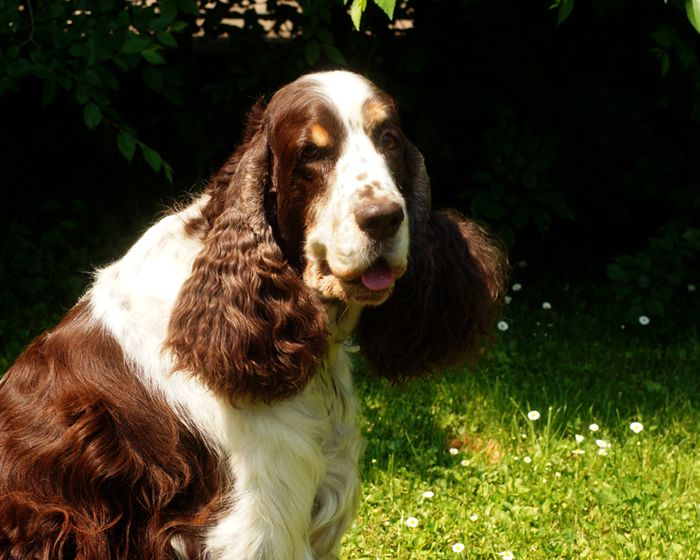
{"x": 378, "y": 276}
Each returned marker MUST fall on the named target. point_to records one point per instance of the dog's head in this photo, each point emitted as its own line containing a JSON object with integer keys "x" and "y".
{"x": 327, "y": 201}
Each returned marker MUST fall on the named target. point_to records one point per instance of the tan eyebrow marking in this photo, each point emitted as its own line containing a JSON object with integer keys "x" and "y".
{"x": 376, "y": 112}
{"x": 320, "y": 136}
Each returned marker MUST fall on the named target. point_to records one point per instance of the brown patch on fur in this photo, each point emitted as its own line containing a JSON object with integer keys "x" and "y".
{"x": 376, "y": 112}
{"x": 244, "y": 322}
{"x": 366, "y": 192}
{"x": 92, "y": 465}
{"x": 474, "y": 445}
{"x": 320, "y": 136}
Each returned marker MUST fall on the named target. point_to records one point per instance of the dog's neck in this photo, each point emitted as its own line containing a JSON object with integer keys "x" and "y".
{"x": 342, "y": 318}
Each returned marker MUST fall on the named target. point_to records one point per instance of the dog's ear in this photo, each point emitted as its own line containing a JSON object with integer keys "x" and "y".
{"x": 244, "y": 322}
{"x": 444, "y": 306}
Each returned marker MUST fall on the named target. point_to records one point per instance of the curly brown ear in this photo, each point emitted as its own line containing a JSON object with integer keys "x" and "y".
{"x": 244, "y": 322}
{"x": 445, "y": 304}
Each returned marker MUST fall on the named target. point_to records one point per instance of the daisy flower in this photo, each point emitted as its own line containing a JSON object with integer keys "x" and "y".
{"x": 428, "y": 494}
{"x": 527, "y": 460}
{"x": 546, "y": 305}
{"x": 412, "y": 522}
{"x": 506, "y": 555}
{"x": 602, "y": 451}
{"x": 579, "y": 438}
{"x": 602, "y": 443}
{"x": 507, "y": 299}
{"x": 474, "y": 517}
{"x": 465, "y": 463}
{"x": 533, "y": 415}
{"x": 517, "y": 287}
{"x": 636, "y": 427}
{"x": 644, "y": 320}
{"x": 593, "y": 427}
{"x": 454, "y": 451}
{"x": 457, "y": 547}
{"x": 578, "y": 451}
{"x": 502, "y": 326}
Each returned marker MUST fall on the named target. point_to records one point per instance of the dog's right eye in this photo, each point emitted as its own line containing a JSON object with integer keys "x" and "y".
{"x": 309, "y": 152}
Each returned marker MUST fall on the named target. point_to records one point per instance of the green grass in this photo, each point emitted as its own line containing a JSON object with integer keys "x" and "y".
{"x": 515, "y": 484}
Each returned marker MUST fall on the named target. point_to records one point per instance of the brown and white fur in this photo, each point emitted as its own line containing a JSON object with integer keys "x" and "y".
{"x": 197, "y": 402}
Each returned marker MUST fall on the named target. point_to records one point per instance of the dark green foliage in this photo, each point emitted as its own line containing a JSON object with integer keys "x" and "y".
{"x": 516, "y": 191}
{"x": 572, "y": 132}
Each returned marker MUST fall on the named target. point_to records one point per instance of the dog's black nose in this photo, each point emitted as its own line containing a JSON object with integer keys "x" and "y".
{"x": 380, "y": 220}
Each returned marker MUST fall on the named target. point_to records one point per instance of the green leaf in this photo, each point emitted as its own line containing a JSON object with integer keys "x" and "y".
{"x": 126, "y": 144}
{"x": 153, "y": 78}
{"x": 616, "y": 273}
{"x": 121, "y": 64}
{"x": 166, "y": 39}
{"x": 134, "y": 43}
{"x": 168, "y": 9}
{"x": 356, "y": 10}
{"x": 312, "y": 52}
{"x": 108, "y": 77}
{"x": 565, "y": 8}
{"x": 692, "y": 8}
{"x": 387, "y": 6}
{"x": 159, "y": 23}
{"x": 153, "y": 56}
{"x": 189, "y": 7}
{"x": 178, "y": 26}
{"x": 333, "y": 54}
{"x": 152, "y": 157}
{"x": 48, "y": 92}
{"x": 482, "y": 178}
{"x": 480, "y": 202}
{"x": 92, "y": 115}
{"x": 81, "y": 96}
{"x": 324, "y": 35}
{"x": 43, "y": 71}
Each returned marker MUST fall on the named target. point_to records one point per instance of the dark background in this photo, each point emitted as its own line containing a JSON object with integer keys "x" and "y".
{"x": 566, "y": 140}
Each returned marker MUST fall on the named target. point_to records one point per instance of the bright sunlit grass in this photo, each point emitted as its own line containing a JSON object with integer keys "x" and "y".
{"x": 570, "y": 440}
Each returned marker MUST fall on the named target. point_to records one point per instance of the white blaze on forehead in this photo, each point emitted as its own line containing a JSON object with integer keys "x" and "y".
{"x": 348, "y": 92}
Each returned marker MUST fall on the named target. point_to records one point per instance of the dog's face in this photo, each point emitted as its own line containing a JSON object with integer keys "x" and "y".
{"x": 340, "y": 179}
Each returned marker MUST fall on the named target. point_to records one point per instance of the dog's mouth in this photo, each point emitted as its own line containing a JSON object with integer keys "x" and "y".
{"x": 371, "y": 285}
{"x": 374, "y": 284}
{"x": 379, "y": 276}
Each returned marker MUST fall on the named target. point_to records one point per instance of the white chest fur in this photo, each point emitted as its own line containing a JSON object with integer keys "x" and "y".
{"x": 292, "y": 464}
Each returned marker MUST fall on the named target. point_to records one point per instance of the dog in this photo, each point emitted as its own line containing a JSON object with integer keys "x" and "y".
{"x": 197, "y": 402}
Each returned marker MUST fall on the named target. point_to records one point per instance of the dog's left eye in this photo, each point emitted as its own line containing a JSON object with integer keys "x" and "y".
{"x": 309, "y": 152}
{"x": 389, "y": 141}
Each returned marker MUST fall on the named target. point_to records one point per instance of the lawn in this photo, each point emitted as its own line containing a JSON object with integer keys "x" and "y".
{"x": 574, "y": 437}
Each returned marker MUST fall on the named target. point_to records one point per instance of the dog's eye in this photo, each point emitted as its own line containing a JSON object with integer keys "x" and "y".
{"x": 389, "y": 141}
{"x": 309, "y": 152}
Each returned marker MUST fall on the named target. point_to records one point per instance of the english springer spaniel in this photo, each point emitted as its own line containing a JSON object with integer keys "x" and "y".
{"x": 197, "y": 402}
